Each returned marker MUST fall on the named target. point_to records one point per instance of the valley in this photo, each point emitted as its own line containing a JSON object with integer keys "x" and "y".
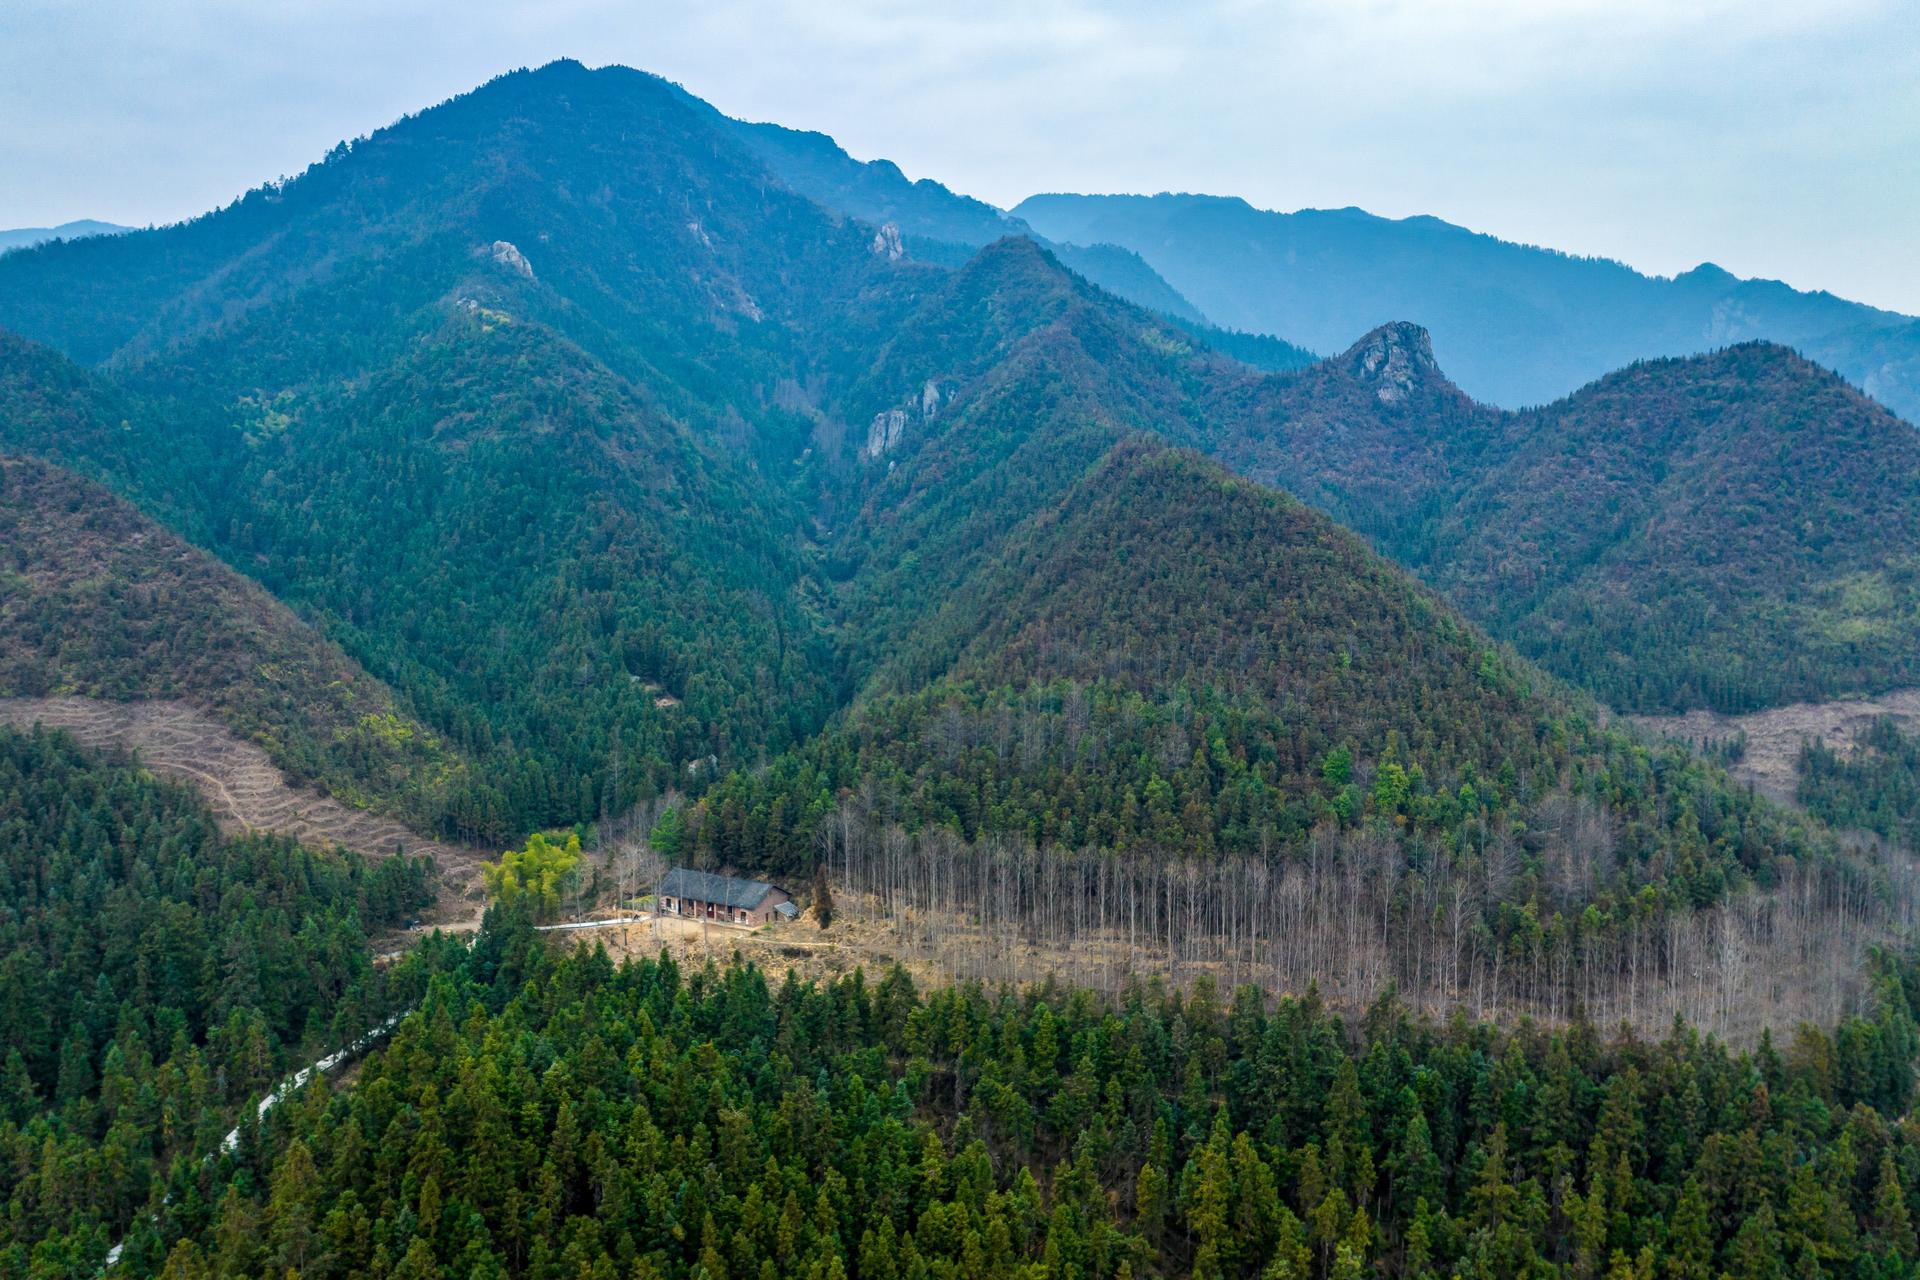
{"x": 1279, "y": 817}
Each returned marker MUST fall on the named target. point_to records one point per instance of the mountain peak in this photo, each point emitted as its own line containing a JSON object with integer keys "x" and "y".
{"x": 1393, "y": 358}
{"x": 1017, "y": 261}
{"x": 1708, "y": 273}
{"x": 1014, "y": 248}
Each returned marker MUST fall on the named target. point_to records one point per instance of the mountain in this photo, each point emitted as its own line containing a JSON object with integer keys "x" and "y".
{"x": 1514, "y": 324}
{"x": 928, "y": 214}
{"x": 540, "y": 455}
{"x": 1062, "y": 629}
{"x": 934, "y": 222}
{"x": 643, "y": 478}
{"x": 1724, "y": 530}
{"x": 545, "y": 493}
{"x": 24, "y": 237}
{"x": 570, "y": 419}
{"x": 1732, "y": 530}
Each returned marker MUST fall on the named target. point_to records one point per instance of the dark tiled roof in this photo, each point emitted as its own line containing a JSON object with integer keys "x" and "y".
{"x": 704, "y": 886}
{"x": 786, "y": 910}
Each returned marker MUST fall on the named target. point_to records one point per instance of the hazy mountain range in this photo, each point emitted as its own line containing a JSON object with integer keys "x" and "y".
{"x": 21, "y": 237}
{"x": 1514, "y": 324}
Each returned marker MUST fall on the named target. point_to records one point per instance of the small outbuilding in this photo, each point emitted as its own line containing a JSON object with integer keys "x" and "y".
{"x": 701, "y": 895}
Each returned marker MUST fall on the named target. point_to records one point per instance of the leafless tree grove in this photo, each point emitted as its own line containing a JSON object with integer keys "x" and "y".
{"x": 1355, "y": 916}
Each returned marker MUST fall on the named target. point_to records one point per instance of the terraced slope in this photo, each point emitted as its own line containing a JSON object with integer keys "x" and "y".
{"x": 238, "y": 780}
{"x": 99, "y": 602}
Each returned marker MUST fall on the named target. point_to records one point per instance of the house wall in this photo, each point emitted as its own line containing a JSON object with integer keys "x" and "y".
{"x": 695, "y": 910}
{"x": 763, "y": 914}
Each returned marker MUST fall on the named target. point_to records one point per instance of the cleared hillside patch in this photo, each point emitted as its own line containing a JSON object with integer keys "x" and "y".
{"x": 1774, "y": 738}
{"x": 240, "y": 783}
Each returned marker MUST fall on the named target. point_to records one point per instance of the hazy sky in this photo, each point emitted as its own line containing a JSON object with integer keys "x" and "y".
{"x": 1776, "y": 138}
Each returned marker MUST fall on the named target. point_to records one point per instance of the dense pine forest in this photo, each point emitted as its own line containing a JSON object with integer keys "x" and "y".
{"x": 155, "y": 977}
{"x": 1875, "y": 788}
{"x": 552, "y": 1115}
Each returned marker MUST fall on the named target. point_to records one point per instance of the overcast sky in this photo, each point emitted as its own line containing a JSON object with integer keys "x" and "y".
{"x": 1778, "y": 139}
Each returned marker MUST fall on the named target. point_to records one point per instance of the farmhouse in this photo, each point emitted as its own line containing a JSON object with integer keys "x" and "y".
{"x": 701, "y": 895}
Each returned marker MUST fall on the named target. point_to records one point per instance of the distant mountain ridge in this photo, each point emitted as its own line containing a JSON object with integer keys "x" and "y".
{"x": 25, "y": 237}
{"x": 944, "y": 226}
{"x": 1514, "y": 324}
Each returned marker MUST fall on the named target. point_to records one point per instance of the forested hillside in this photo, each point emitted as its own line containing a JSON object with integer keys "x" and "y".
{"x": 170, "y": 464}
{"x": 155, "y": 976}
{"x": 568, "y": 450}
{"x": 1173, "y": 685}
{"x": 1078, "y": 641}
{"x": 676, "y": 473}
{"x": 1875, "y": 787}
{"x": 542, "y": 493}
{"x": 1735, "y": 531}
{"x": 547, "y": 1116}
{"x": 100, "y": 601}
{"x": 1728, "y": 531}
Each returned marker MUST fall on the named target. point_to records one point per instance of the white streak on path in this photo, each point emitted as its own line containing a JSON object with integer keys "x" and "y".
{"x": 293, "y": 1082}
{"x": 298, "y": 1079}
{"x": 591, "y": 924}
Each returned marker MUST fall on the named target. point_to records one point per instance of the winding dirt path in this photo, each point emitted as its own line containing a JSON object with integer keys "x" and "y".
{"x": 243, "y": 786}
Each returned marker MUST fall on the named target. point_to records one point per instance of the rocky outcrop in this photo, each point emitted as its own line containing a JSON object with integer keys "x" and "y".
{"x": 509, "y": 256}
{"x": 889, "y": 426}
{"x": 885, "y": 432}
{"x": 888, "y": 244}
{"x": 1394, "y": 358}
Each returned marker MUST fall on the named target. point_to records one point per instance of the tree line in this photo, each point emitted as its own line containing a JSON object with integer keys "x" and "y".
{"x": 1495, "y": 931}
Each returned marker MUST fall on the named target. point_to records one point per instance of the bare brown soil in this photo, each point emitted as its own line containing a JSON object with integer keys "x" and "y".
{"x": 243, "y": 787}
{"x": 1778, "y": 992}
{"x": 800, "y": 946}
{"x": 1776, "y": 735}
